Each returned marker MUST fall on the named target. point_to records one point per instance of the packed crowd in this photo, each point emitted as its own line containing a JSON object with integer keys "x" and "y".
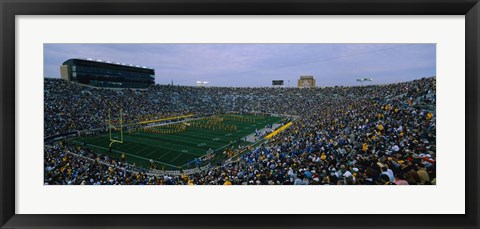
{"x": 382, "y": 134}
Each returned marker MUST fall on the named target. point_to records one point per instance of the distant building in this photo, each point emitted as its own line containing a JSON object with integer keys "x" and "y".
{"x": 306, "y": 82}
{"x": 106, "y": 74}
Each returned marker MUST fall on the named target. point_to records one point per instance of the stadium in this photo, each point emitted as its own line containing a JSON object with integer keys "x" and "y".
{"x": 220, "y": 135}
{"x": 109, "y": 123}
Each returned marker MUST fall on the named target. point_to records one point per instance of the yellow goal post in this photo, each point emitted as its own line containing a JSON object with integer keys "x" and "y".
{"x": 110, "y": 127}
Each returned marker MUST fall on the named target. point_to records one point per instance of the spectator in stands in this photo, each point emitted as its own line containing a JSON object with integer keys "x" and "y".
{"x": 382, "y": 134}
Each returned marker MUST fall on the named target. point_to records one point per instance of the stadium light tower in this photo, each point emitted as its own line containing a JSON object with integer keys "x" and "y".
{"x": 202, "y": 83}
{"x": 365, "y": 79}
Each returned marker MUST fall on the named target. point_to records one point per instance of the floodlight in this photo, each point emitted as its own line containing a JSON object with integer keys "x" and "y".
{"x": 361, "y": 80}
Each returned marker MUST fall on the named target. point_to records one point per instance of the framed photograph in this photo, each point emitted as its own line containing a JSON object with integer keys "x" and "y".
{"x": 252, "y": 114}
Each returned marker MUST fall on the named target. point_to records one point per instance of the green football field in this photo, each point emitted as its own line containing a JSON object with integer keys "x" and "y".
{"x": 176, "y": 150}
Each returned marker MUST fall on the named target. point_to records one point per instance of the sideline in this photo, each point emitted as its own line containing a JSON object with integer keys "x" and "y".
{"x": 278, "y": 130}
{"x": 117, "y": 151}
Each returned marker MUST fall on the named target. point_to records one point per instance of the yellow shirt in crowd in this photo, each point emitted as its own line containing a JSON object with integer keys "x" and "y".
{"x": 429, "y": 115}
{"x": 364, "y": 147}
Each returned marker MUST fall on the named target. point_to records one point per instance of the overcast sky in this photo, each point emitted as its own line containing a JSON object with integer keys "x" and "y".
{"x": 258, "y": 64}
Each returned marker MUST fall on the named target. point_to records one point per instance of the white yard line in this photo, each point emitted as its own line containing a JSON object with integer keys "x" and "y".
{"x": 132, "y": 155}
{"x": 176, "y": 157}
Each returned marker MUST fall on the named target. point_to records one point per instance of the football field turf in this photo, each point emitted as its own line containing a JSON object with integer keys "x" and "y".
{"x": 174, "y": 151}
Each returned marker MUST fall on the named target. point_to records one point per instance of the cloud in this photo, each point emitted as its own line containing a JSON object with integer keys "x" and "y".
{"x": 258, "y": 64}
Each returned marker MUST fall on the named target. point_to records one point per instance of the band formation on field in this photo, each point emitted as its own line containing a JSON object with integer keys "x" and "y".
{"x": 180, "y": 142}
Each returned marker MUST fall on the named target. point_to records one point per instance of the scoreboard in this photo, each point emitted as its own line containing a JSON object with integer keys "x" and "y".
{"x": 277, "y": 82}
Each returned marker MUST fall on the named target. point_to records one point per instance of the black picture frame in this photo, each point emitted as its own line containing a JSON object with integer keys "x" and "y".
{"x": 10, "y": 8}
